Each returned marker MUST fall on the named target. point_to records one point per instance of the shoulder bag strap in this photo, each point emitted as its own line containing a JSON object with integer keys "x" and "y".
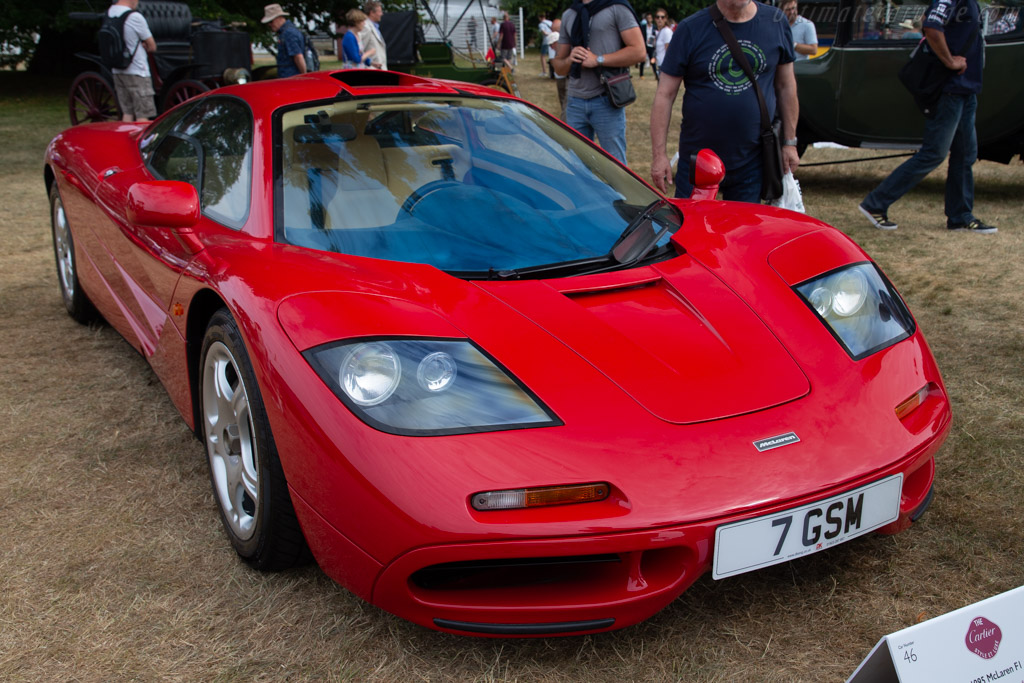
{"x": 737, "y": 54}
{"x": 123, "y": 27}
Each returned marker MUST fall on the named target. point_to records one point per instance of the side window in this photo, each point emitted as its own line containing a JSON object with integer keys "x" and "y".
{"x": 1002, "y": 21}
{"x": 887, "y": 21}
{"x": 445, "y": 125}
{"x": 178, "y": 158}
{"x": 217, "y": 132}
{"x": 158, "y": 131}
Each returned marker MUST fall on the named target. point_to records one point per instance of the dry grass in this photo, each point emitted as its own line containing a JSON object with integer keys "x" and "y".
{"x": 113, "y": 563}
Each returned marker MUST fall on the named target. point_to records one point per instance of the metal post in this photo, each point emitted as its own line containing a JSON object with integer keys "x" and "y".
{"x": 522, "y": 49}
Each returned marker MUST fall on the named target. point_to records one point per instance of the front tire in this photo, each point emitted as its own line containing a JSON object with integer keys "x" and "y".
{"x": 245, "y": 472}
{"x": 80, "y": 308}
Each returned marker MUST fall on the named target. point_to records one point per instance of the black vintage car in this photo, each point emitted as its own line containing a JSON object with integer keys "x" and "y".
{"x": 851, "y": 94}
{"x": 192, "y": 56}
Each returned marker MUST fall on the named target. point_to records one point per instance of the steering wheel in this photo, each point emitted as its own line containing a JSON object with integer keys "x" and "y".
{"x": 426, "y": 189}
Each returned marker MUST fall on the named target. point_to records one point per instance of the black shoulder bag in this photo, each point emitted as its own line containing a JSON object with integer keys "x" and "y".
{"x": 771, "y": 143}
{"x": 924, "y": 75}
{"x": 619, "y": 85}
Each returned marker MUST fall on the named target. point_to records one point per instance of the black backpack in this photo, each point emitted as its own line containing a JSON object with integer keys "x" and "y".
{"x": 113, "y": 49}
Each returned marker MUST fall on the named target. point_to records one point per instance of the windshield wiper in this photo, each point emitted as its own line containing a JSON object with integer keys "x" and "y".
{"x": 560, "y": 269}
{"x": 638, "y": 220}
{"x": 634, "y": 244}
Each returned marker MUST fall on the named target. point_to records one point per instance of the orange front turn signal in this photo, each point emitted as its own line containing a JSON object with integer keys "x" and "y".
{"x": 514, "y": 499}
{"x": 914, "y": 402}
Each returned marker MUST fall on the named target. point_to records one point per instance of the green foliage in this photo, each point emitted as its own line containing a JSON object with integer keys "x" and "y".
{"x": 22, "y": 20}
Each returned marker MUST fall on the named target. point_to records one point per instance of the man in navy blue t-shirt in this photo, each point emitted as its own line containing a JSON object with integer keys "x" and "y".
{"x": 720, "y": 108}
{"x": 953, "y": 31}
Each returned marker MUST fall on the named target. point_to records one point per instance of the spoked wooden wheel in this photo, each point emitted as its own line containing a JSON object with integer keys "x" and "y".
{"x": 92, "y": 99}
{"x": 182, "y": 91}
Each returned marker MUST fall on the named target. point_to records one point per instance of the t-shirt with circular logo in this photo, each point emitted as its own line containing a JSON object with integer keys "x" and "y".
{"x": 720, "y": 109}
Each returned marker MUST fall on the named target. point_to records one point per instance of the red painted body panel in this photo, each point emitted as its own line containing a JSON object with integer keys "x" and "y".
{"x": 663, "y": 377}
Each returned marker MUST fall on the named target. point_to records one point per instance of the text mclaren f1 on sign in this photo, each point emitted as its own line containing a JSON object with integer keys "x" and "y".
{"x": 493, "y": 381}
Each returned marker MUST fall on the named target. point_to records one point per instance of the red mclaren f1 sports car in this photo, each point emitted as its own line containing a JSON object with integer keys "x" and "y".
{"x": 487, "y": 377}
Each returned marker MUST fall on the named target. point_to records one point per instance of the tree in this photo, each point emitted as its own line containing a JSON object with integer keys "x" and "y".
{"x": 22, "y": 22}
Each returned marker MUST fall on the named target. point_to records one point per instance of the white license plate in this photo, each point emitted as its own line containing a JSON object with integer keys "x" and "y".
{"x": 763, "y": 541}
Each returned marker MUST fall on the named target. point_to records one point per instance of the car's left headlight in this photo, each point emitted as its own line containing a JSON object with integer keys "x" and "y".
{"x": 860, "y": 307}
{"x": 426, "y": 387}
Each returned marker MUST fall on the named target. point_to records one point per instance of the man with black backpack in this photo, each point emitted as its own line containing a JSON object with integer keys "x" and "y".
{"x": 952, "y": 29}
{"x": 125, "y": 41}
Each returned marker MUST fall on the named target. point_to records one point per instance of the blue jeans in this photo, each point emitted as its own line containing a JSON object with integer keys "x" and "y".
{"x": 596, "y": 116}
{"x": 739, "y": 185}
{"x": 950, "y": 131}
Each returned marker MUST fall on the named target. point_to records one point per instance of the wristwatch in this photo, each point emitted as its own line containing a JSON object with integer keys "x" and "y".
{"x": 790, "y": 143}
{"x": 600, "y": 60}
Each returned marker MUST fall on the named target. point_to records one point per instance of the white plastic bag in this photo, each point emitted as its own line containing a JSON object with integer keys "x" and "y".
{"x": 791, "y": 198}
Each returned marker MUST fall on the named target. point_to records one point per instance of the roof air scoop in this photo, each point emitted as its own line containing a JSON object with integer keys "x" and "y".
{"x": 355, "y": 79}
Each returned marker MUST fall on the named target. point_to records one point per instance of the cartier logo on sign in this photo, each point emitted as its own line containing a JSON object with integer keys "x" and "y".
{"x": 983, "y": 638}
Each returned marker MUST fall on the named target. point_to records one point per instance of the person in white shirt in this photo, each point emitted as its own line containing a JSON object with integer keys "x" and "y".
{"x": 664, "y": 36}
{"x": 133, "y": 85}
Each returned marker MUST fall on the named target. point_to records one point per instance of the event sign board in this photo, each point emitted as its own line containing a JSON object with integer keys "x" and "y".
{"x": 980, "y": 643}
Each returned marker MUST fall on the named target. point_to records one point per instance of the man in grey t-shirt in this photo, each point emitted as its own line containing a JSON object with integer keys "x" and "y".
{"x": 609, "y": 36}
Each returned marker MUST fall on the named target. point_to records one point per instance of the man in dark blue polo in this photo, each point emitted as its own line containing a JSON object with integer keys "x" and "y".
{"x": 291, "y": 44}
{"x": 953, "y": 31}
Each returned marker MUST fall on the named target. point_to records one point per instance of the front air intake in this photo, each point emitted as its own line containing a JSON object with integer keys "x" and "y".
{"x": 507, "y": 573}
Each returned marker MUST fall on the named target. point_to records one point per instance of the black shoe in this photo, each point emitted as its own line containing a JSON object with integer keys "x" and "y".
{"x": 975, "y": 226}
{"x": 879, "y": 220}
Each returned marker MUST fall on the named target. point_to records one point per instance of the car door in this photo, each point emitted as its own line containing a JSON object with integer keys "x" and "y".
{"x": 874, "y": 107}
{"x": 208, "y": 145}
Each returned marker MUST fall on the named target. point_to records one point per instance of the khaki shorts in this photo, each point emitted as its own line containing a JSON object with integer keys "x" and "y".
{"x": 135, "y": 95}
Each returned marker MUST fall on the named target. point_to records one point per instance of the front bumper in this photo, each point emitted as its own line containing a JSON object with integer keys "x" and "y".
{"x": 575, "y": 585}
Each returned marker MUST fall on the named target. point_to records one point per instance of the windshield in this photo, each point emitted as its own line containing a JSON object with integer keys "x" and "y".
{"x": 469, "y": 185}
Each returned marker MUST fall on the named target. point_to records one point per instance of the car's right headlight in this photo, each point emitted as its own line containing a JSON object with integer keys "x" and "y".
{"x": 426, "y": 386}
{"x": 860, "y": 308}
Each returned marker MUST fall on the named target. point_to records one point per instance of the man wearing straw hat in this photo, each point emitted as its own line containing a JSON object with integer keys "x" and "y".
{"x": 913, "y": 29}
{"x": 291, "y": 44}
